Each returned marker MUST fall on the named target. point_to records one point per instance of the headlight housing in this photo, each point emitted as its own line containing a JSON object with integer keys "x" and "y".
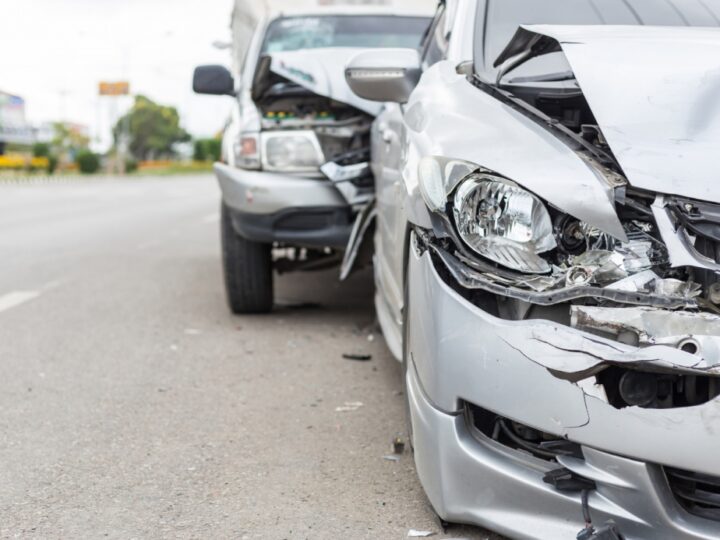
{"x": 291, "y": 151}
{"x": 493, "y": 216}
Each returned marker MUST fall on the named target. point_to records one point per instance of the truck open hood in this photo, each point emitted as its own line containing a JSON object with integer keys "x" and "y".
{"x": 654, "y": 93}
{"x": 322, "y": 71}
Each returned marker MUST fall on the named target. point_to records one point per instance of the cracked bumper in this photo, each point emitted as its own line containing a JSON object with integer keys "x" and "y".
{"x": 461, "y": 353}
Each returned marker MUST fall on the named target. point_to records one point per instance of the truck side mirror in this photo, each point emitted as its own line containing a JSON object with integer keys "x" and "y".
{"x": 213, "y": 80}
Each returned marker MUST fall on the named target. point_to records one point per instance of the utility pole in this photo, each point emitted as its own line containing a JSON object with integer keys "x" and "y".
{"x": 115, "y": 91}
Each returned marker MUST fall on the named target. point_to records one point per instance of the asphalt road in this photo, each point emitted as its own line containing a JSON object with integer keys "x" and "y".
{"x": 133, "y": 405}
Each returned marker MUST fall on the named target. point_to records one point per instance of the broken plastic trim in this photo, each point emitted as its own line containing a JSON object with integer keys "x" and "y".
{"x": 472, "y": 279}
{"x": 516, "y": 436}
{"x": 363, "y": 224}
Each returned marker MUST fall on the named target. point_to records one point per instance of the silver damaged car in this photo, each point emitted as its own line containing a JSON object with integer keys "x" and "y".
{"x": 547, "y": 250}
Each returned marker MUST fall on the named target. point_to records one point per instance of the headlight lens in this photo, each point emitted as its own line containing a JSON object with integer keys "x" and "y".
{"x": 247, "y": 150}
{"x": 503, "y": 222}
{"x": 291, "y": 151}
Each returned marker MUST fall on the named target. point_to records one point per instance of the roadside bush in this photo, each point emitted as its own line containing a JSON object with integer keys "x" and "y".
{"x": 88, "y": 162}
{"x": 131, "y": 165}
{"x": 199, "y": 153}
{"x": 207, "y": 149}
{"x": 52, "y": 164}
{"x": 214, "y": 148}
{"x": 41, "y": 150}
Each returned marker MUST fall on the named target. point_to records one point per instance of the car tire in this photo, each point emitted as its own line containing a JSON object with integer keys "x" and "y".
{"x": 247, "y": 267}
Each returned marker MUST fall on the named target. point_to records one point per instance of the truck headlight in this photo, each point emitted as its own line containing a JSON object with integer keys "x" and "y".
{"x": 503, "y": 222}
{"x": 291, "y": 151}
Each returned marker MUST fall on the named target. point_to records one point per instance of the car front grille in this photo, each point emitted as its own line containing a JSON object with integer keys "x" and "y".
{"x": 698, "y": 493}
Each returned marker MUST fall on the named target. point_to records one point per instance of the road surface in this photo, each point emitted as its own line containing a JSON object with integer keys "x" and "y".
{"x": 133, "y": 405}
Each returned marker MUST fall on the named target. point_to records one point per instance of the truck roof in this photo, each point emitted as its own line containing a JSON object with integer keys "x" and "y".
{"x": 270, "y": 9}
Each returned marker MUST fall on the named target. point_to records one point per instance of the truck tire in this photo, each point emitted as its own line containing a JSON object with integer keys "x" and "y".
{"x": 247, "y": 267}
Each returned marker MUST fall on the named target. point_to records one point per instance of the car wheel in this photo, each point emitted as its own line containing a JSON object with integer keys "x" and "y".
{"x": 247, "y": 266}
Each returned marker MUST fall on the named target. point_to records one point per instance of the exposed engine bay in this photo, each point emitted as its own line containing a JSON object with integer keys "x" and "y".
{"x": 342, "y": 131}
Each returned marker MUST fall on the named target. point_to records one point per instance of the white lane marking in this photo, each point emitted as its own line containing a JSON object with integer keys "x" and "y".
{"x": 212, "y": 218}
{"x": 15, "y": 298}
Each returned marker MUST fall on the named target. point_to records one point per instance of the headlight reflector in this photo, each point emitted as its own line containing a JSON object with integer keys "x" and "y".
{"x": 503, "y": 222}
{"x": 291, "y": 151}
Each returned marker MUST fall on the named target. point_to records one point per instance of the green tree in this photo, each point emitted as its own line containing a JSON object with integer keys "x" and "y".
{"x": 152, "y": 129}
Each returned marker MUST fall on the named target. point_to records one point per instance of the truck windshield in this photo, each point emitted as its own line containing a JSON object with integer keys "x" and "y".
{"x": 295, "y": 33}
{"x": 503, "y": 17}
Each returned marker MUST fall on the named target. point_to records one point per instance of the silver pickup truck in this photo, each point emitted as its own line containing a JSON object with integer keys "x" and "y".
{"x": 295, "y": 165}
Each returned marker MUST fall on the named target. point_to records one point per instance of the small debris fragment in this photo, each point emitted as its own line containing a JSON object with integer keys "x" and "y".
{"x": 412, "y": 533}
{"x": 371, "y": 337}
{"x": 358, "y": 357}
{"x": 398, "y": 445}
{"x": 349, "y": 406}
{"x": 173, "y": 347}
{"x": 391, "y": 458}
{"x": 192, "y": 331}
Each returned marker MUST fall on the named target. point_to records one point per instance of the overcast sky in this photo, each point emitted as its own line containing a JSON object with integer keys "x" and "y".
{"x": 54, "y": 53}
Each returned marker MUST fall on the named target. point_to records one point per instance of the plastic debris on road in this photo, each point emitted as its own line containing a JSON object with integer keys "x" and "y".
{"x": 349, "y": 406}
{"x": 358, "y": 357}
{"x": 412, "y": 533}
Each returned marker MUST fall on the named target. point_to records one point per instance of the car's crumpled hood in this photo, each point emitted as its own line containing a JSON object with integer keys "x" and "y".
{"x": 654, "y": 92}
{"x": 322, "y": 71}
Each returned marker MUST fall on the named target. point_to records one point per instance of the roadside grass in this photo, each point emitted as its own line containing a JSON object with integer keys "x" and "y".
{"x": 155, "y": 170}
{"x": 174, "y": 168}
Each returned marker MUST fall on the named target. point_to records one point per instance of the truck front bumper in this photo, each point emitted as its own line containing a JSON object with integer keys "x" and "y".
{"x": 293, "y": 210}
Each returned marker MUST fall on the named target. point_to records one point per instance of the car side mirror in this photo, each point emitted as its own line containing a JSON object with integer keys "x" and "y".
{"x": 213, "y": 80}
{"x": 384, "y": 74}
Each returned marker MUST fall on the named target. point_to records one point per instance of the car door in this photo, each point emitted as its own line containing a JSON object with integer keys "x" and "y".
{"x": 388, "y": 147}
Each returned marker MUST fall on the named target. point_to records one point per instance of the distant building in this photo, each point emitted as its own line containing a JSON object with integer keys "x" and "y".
{"x": 14, "y": 128}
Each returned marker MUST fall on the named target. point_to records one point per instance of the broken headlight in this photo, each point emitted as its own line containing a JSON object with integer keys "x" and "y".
{"x": 503, "y": 222}
{"x": 494, "y": 217}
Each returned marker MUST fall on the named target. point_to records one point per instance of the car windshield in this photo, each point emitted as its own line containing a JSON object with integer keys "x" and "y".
{"x": 295, "y": 33}
{"x": 504, "y": 16}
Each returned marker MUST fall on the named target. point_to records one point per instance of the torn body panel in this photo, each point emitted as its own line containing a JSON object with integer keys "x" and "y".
{"x": 657, "y": 120}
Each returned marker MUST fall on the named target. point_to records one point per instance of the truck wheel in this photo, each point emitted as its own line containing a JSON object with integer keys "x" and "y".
{"x": 247, "y": 266}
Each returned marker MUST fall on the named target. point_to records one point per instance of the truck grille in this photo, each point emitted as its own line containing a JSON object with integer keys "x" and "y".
{"x": 698, "y": 493}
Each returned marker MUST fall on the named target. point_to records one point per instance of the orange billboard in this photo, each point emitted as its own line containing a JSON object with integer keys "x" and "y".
{"x": 119, "y": 88}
